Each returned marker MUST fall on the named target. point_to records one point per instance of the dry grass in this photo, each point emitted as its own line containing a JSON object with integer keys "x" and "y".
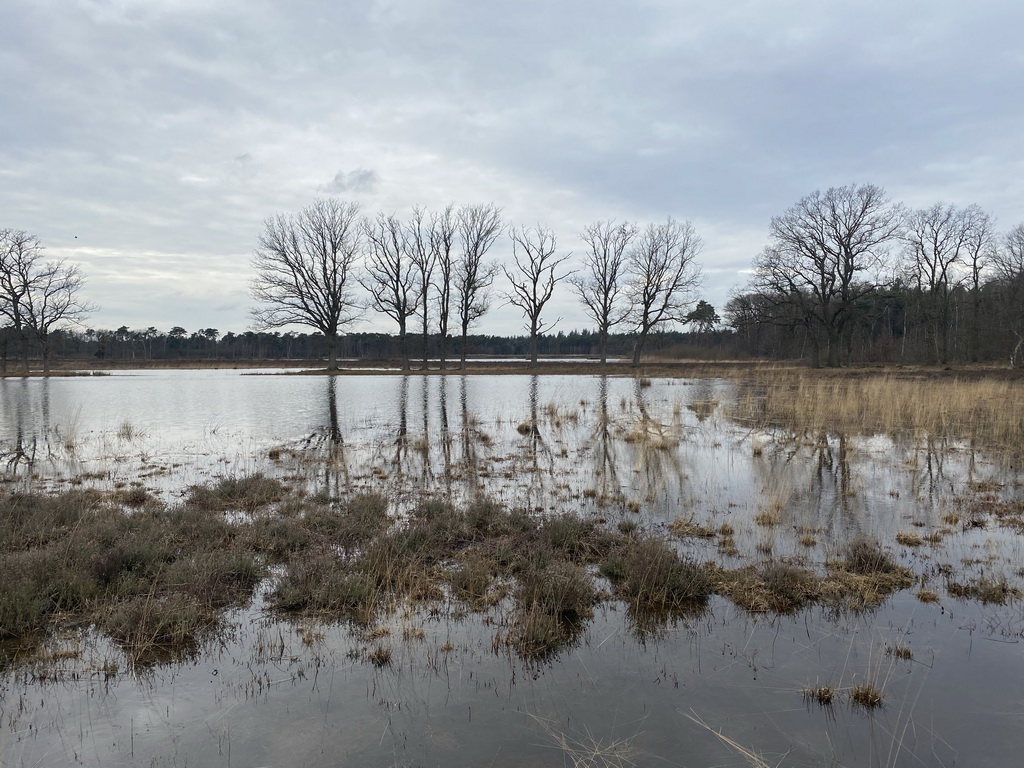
{"x": 649, "y": 575}
{"x": 909, "y": 539}
{"x": 752, "y": 758}
{"x": 866, "y": 695}
{"x": 899, "y": 652}
{"x": 777, "y": 586}
{"x": 823, "y": 694}
{"x": 988, "y": 410}
{"x": 994, "y": 590}
{"x": 587, "y": 751}
{"x": 687, "y": 528}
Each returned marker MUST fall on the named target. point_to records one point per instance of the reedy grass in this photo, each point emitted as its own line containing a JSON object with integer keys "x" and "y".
{"x": 157, "y": 578}
{"x": 989, "y": 411}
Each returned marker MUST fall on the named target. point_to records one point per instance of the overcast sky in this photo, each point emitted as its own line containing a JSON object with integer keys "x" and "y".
{"x": 148, "y": 140}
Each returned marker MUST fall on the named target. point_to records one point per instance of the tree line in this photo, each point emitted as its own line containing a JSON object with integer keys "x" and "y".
{"x": 124, "y": 344}
{"x": 847, "y": 275}
{"x": 432, "y": 271}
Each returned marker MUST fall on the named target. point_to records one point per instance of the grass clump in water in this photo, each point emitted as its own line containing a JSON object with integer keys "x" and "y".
{"x": 776, "y": 586}
{"x": 553, "y": 599}
{"x": 864, "y": 576}
{"x": 822, "y": 694}
{"x": 648, "y": 574}
{"x": 247, "y": 493}
{"x": 866, "y": 695}
{"x": 996, "y": 591}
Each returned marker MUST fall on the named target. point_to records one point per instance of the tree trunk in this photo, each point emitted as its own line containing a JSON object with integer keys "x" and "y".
{"x": 403, "y": 345}
{"x": 603, "y": 342}
{"x": 833, "y": 347}
{"x": 462, "y": 346}
{"x": 638, "y": 347}
{"x": 332, "y": 352}
{"x": 23, "y": 339}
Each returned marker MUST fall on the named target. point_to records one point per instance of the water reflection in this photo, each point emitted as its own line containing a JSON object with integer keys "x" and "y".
{"x": 19, "y": 446}
{"x": 658, "y": 445}
{"x": 664, "y": 448}
{"x": 606, "y": 460}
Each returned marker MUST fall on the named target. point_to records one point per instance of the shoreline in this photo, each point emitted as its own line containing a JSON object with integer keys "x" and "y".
{"x": 731, "y": 369}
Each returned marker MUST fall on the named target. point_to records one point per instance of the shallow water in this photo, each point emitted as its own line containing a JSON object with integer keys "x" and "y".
{"x": 272, "y": 693}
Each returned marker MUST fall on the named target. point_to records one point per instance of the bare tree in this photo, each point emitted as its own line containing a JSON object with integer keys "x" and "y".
{"x": 533, "y": 278}
{"x": 420, "y": 241}
{"x": 981, "y": 247}
{"x": 443, "y": 231}
{"x": 52, "y": 301}
{"x": 37, "y": 297}
{"x": 937, "y": 241}
{"x": 304, "y": 266}
{"x": 663, "y": 274}
{"x": 1009, "y": 268}
{"x": 19, "y": 252}
{"x": 823, "y": 253}
{"x": 391, "y": 278}
{"x": 479, "y": 226}
{"x": 601, "y": 284}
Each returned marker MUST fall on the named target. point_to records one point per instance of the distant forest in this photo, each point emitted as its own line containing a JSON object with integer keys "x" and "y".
{"x": 126, "y": 344}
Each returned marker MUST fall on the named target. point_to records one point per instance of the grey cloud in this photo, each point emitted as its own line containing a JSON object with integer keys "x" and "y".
{"x": 359, "y": 181}
{"x": 178, "y": 126}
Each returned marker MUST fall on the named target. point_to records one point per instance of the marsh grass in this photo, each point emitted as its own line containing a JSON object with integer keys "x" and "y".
{"x": 153, "y": 578}
{"x": 990, "y": 411}
{"x": 648, "y": 574}
{"x": 866, "y": 695}
{"x": 778, "y": 586}
{"x": 899, "y": 652}
{"x": 909, "y": 539}
{"x": 247, "y": 493}
{"x": 991, "y": 590}
{"x": 157, "y": 578}
{"x": 685, "y": 527}
{"x": 822, "y": 694}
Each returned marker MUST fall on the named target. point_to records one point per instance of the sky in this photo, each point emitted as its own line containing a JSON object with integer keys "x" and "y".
{"x": 148, "y": 140}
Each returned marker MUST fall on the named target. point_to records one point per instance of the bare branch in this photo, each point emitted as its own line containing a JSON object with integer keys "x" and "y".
{"x": 304, "y": 266}
{"x": 534, "y": 278}
{"x": 663, "y": 275}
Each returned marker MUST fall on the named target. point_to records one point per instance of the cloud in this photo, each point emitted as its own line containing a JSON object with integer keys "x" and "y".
{"x": 175, "y": 127}
{"x": 359, "y": 181}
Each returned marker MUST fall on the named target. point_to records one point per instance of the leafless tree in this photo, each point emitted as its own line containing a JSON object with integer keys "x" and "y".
{"x": 981, "y": 247}
{"x": 938, "y": 243}
{"x": 54, "y": 301}
{"x": 601, "y": 284}
{"x": 37, "y": 296}
{"x": 1008, "y": 262}
{"x": 420, "y": 241}
{"x": 479, "y": 226}
{"x": 663, "y": 274}
{"x": 391, "y": 277}
{"x": 533, "y": 278}
{"x": 443, "y": 232}
{"x": 304, "y": 266}
{"x": 19, "y": 251}
{"x": 822, "y": 255}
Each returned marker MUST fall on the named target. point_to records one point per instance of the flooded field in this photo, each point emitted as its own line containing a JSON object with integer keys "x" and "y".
{"x": 793, "y": 652}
